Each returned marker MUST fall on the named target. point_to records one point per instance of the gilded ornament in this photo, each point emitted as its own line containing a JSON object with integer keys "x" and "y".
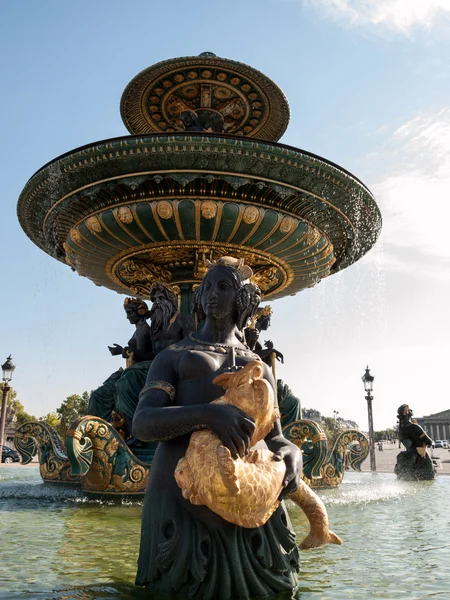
{"x": 266, "y": 279}
{"x": 164, "y": 209}
{"x": 192, "y": 74}
{"x": 245, "y": 491}
{"x": 287, "y": 224}
{"x": 125, "y": 215}
{"x": 93, "y": 224}
{"x": 251, "y": 214}
{"x": 75, "y": 236}
{"x": 208, "y": 209}
{"x": 136, "y": 272}
{"x": 235, "y": 80}
{"x": 246, "y": 87}
{"x": 221, "y": 76}
{"x": 207, "y": 74}
{"x": 179, "y": 77}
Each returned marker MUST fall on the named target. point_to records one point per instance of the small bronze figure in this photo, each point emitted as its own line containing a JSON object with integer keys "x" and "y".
{"x": 138, "y": 353}
{"x": 414, "y": 463}
{"x": 289, "y": 404}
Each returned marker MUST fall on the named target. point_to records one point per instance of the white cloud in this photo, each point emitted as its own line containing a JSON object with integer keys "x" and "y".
{"x": 400, "y": 15}
{"x": 414, "y": 197}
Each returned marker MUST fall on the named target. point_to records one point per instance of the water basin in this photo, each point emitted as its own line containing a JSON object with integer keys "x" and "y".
{"x": 59, "y": 544}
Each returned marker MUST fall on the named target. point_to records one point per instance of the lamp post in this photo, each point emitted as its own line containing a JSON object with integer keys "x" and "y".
{"x": 367, "y": 379}
{"x": 7, "y": 372}
{"x": 335, "y": 412}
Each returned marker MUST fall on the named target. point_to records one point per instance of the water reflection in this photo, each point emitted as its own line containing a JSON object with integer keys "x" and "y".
{"x": 63, "y": 545}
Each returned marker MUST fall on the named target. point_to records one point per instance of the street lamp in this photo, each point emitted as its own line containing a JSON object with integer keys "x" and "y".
{"x": 7, "y": 373}
{"x": 335, "y": 412}
{"x": 367, "y": 379}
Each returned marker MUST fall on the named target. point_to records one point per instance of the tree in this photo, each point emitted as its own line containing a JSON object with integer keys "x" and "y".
{"x": 331, "y": 427}
{"x": 74, "y": 406}
{"x": 52, "y": 419}
{"x": 386, "y": 434}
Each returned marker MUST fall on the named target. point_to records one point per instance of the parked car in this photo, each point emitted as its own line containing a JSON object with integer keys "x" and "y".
{"x": 9, "y": 455}
{"x": 440, "y": 444}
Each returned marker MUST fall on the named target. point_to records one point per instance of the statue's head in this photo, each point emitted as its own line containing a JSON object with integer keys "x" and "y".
{"x": 263, "y": 317}
{"x": 226, "y": 292}
{"x": 135, "y": 309}
{"x": 165, "y": 305}
{"x": 188, "y": 118}
{"x": 404, "y": 412}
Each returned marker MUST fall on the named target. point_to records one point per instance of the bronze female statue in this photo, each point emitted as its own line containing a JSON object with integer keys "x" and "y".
{"x": 188, "y": 549}
{"x": 114, "y": 393}
{"x": 414, "y": 463}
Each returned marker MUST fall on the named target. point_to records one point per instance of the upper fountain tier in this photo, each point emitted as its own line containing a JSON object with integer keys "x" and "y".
{"x": 201, "y": 177}
{"x": 226, "y": 96}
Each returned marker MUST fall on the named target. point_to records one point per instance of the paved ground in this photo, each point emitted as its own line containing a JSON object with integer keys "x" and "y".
{"x": 385, "y": 460}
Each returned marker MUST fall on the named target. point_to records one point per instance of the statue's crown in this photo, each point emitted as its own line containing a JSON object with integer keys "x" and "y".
{"x": 236, "y": 263}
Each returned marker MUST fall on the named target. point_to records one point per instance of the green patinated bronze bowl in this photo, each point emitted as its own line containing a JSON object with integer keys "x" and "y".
{"x": 158, "y": 204}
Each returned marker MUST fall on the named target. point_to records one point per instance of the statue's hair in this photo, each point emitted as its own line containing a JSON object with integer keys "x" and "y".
{"x": 248, "y": 295}
{"x": 168, "y": 292}
{"x": 400, "y": 414}
{"x": 139, "y": 305}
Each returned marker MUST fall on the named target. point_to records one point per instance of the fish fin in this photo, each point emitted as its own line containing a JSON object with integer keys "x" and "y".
{"x": 227, "y": 470}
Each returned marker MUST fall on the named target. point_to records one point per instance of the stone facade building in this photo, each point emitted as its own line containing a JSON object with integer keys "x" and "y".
{"x": 437, "y": 426}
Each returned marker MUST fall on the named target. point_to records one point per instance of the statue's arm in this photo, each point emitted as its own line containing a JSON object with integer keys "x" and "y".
{"x": 424, "y": 438}
{"x": 284, "y": 449}
{"x": 158, "y": 418}
{"x": 143, "y": 349}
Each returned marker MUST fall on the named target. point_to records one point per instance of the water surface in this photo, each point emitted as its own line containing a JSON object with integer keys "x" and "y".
{"x": 58, "y": 544}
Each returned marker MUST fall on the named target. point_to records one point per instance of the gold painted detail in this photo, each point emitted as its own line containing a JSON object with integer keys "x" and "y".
{"x": 208, "y": 209}
{"x": 251, "y": 215}
{"x": 266, "y": 279}
{"x": 93, "y": 224}
{"x": 139, "y": 276}
{"x": 164, "y": 209}
{"x": 75, "y": 235}
{"x": 288, "y": 224}
{"x": 125, "y": 215}
{"x": 105, "y": 462}
{"x": 54, "y": 466}
{"x": 137, "y": 270}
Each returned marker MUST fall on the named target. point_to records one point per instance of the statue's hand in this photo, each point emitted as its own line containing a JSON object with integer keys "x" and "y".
{"x": 115, "y": 350}
{"x": 232, "y": 426}
{"x": 292, "y": 457}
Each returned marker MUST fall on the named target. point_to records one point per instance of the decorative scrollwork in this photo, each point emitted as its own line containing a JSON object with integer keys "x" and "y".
{"x": 38, "y": 436}
{"x": 324, "y": 467}
{"x": 105, "y": 463}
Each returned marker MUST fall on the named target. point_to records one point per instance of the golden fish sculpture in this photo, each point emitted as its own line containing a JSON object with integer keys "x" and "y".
{"x": 245, "y": 491}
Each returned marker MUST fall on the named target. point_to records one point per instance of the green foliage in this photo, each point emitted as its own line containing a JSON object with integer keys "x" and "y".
{"x": 386, "y": 434}
{"x": 52, "y": 419}
{"x": 331, "y": 427}
{"x": 71, "y": 409}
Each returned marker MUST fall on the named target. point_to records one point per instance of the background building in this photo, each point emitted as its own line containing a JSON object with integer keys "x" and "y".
{"x": 437, "y": 426}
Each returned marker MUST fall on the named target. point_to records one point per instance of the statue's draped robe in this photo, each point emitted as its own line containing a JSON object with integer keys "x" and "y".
{"x": 211, "y": 559}
{"x": 410, "y": 465}
{"x": 119, "y": 392}
{"x": 289, "y": 405}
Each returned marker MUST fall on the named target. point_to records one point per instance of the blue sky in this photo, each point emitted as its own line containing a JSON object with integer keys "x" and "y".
{"x": 369, "y": 86}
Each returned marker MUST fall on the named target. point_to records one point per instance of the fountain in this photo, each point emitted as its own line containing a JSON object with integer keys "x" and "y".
{"x": 201, "y": 176}
{"x": 164, "y": 201}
